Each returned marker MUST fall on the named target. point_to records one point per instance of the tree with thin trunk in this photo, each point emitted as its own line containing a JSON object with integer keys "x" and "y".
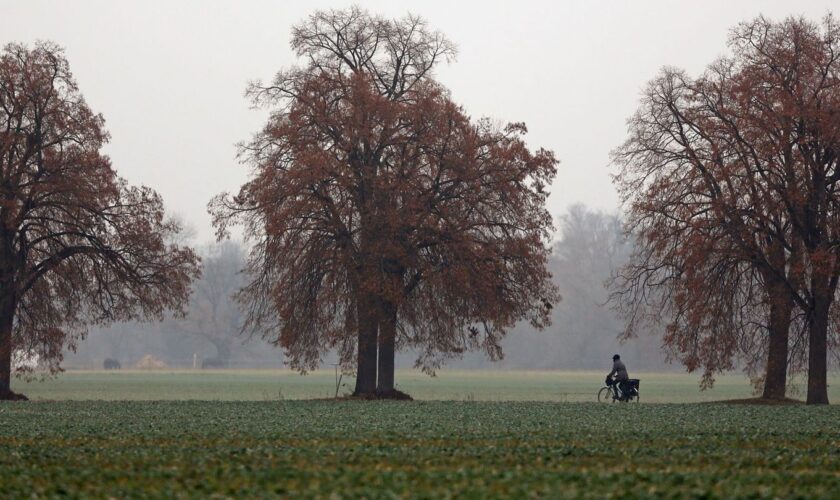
{"x": 373, "y": 194}
{"x": 213, "y": 313}
{"x": 691, "y": 267}
{"x": 78, "y": 244}
{"x": 731, "y": 180}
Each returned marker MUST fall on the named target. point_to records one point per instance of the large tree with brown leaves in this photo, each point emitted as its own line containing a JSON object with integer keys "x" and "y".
{"x": 78, "y": 245}
{"x": 732, "y": 180}
{"x": 378, "y": 208}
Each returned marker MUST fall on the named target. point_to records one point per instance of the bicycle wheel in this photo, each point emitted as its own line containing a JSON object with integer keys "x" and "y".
{"x": 605, "y": 395}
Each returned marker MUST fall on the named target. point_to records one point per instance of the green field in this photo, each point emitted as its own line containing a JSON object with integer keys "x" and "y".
{"x": 431, "y": 449}
{"x": 273, "y": 385}
{"x": 471, "y": 435}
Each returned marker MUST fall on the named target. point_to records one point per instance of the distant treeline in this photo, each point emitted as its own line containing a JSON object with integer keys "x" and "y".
{"x": 583, "y": 335}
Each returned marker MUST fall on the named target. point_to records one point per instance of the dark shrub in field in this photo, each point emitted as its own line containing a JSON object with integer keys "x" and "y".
{"x": 111, "y": 364}
{"x": 213, "y": 363}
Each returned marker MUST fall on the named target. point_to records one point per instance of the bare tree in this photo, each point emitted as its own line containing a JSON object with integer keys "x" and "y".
{"x": 78, "y": 244}
{"x": 377, "y": 204}
{"x": 731, "y": 180}
{"x": 213, "y": 313}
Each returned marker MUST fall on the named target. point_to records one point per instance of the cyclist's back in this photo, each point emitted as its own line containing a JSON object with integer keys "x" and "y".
{"x": 619, "y": 371}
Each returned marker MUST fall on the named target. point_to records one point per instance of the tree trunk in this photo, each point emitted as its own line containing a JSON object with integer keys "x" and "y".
{"x": 387, "y": 341}
{"x": 817, "y": 338}
{"x": 781, "y": 307}
{"x": 7, "y": 320}
{"x": 366, "y": 359}
{"x": 5, "y": 357}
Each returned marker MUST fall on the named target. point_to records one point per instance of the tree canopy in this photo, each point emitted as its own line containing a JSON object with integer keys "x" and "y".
{"x": 78, "y": 244}
{"x": 731, "y": 180}
{"x": 378, "y": 207}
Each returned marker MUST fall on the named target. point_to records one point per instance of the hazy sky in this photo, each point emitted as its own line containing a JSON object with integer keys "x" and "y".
{"x": 169, "y": 76}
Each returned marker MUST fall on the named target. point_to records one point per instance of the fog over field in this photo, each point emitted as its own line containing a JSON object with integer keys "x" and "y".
{"x": 169, "y": 78}
{"x": 583, "y": 334}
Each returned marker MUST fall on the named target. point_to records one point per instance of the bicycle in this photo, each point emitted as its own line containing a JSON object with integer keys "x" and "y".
{"x": 611, "y": 393}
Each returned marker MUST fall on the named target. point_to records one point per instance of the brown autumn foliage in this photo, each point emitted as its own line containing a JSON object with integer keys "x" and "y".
{"x": 731, "y": 180}
{"x": 78, "y": 245}
{"x": 381, "y": 215}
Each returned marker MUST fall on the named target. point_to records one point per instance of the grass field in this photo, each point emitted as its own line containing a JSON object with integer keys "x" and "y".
{"x": 268, "y": 385}
{"x": 429, "y": 449}
{"x": 500, "y": 434}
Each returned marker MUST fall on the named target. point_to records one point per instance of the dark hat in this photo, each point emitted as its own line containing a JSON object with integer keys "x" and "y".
{"x": 616, "y": 357}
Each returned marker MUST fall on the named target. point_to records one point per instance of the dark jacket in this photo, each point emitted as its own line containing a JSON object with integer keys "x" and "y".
{"x": 619, "y": 370}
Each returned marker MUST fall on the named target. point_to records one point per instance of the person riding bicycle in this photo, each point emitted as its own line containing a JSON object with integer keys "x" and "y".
{"x": 619, "y": 372}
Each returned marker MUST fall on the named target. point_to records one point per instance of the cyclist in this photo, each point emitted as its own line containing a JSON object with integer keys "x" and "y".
{"x": 619, "y": 371}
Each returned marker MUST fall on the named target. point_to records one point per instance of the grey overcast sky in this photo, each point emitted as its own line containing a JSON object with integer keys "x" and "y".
{"x": 169, "y": 75}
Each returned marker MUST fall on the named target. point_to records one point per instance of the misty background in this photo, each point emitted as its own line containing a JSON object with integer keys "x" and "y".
{"x": 169, "y": 79}
{"x": 583, "y": 334}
